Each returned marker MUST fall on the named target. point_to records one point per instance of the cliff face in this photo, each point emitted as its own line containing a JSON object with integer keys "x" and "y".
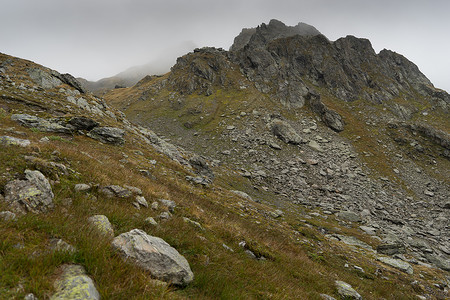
{"x": 348, "y": 68}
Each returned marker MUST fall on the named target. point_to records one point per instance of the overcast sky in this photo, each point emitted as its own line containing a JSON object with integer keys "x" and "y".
{"x": 100, "y": 38}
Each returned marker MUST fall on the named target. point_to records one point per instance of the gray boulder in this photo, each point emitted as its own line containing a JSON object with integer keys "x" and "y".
{"x": 168, "y": 203}
{"x": 102, "y": 225}
{"x": 285, "y": 132}
{"x": 154, "y": 255}
{"x": 9, "y": 140}
{"x": 115, "y": 191}
{"x": 75, "y": 284}
{"x": 34, "y": 194}
{"x": 108, "y": 135}
{"x": 346, "y": 291}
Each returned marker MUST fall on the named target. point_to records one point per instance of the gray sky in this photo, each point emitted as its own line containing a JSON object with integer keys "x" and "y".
{"x": 100, "y": 38}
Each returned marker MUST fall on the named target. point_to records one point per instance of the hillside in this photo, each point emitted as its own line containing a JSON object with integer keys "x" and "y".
{"x": 220, "y": 168}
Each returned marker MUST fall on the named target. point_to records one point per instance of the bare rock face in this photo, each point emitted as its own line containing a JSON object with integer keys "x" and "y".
{"x": 275, "y": 29}
{"x": 155, "y": 255}
{"x": 108, "y": 135}
{"x": 34, "y": 194}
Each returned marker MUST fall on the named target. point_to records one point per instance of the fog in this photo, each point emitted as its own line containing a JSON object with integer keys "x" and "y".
{"x": 100, "y": 38}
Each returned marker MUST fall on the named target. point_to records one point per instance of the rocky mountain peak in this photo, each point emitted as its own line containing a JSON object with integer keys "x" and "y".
{"x": 265, "y": 33}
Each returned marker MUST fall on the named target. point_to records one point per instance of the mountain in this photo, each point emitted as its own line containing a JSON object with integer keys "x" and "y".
{"x": 238, "y": 174}
{"x": 313, "y": 122}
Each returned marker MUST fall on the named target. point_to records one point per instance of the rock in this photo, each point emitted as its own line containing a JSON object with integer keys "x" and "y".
{"x": 108, "y": 135}
{"x": 275, "y": 146}
{"x": 346, "y": 291}
{"x": 285, "y": 132}
{"x": 102, "y": 225}
{"x": 447, "y": 205}
{"x": 315, "y": 146}
{"x": 34, "y": 194}
{"x": 231, "y": 127}
{"x": 349, "y": 216}
{"x": 154, "y": 255}
{"x": 30, "y": 296}
{"x": 75, "y": 284}
{"x": 141, "y": 201}
{"x": 169, "y": 204}
{"x": 71, "y": 81}
{"x": 277, "y": 214}
{"x": 155, "y": 205}
{"x": 438, "y": 261}
{"x": 151, "y": 221}
{"x": 227, "y": 248}
{"x": 82, "y": 187}
{"x": 115, "y": 191}
{"x": 43, "y": 78}
{"x": 198, "y": 180}
{"x": 330, "y": 117}
{"x": 353, "y": 241}
{"x": 397, "y": 263}
{"x": 83, "y": 123}
{"x": 133, "y": 189}
{"x": 429, "y": 193}
{"x": 7, "y": 216}
{"x": 164, "y": 216}
{"x": 368, "y": 230}
{"x": 201, "y": 167}
{"x": 40, "y": 123}
{"x": 9, "y": 140}
{"x": 196, "y": 224}
{"x": 391, "y": 248}
{"x": 242, "y": 194}
{"x": 60, "y": 245}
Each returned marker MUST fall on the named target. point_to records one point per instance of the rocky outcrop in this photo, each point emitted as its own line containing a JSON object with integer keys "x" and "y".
{"x": 200, "y": 71}
{"x": 34, "y": 194}
{"x": 154, "y": 255}
{"x": 274, "y": 30}
{"x": 330, "y": 117}
{"x": 108, "y": 135}
{"x": 73, "y": 283}
{"x": 51, "y": 125}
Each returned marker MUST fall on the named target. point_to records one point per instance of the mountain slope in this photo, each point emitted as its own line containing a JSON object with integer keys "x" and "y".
{"x": 264, "y": 110}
